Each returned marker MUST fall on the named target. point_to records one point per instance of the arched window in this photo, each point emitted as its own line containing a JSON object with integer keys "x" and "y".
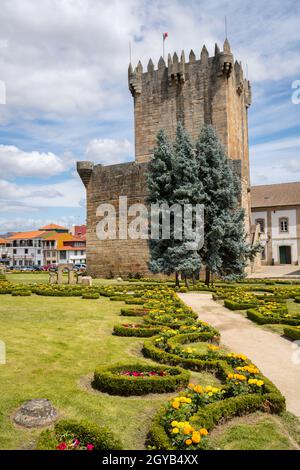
{"x": 283, "y": 224}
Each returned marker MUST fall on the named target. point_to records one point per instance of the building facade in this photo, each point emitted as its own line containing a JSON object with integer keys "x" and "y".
{"x": 50, "y": 245}
{"x": 276, "y": 209}
{"x": 209, "y": 90}
{"x": 25, "y": 249}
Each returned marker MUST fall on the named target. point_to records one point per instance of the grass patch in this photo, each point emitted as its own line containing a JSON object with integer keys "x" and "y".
{"x": 52, "y": 343}
{"x": 257, "y": 432}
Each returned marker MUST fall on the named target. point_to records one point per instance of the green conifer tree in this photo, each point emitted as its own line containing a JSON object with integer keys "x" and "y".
{"x": 225, "y": 251}
{"x": 173, "y": 179}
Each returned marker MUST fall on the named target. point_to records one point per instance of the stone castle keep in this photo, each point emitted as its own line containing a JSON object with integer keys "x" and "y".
{"x": 208, "y": 90}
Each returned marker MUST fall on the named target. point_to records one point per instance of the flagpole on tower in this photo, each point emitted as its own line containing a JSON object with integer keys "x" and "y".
{"x": 165, "y": 35}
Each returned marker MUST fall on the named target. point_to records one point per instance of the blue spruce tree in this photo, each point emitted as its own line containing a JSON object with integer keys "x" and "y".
{"x": 225, "y": 251}
{"x": 173, "y": 180}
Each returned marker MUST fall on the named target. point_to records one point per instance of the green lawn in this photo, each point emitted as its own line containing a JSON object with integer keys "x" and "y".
{"x": 53, "y": 344}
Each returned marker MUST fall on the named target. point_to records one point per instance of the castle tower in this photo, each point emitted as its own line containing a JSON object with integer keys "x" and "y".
{"x": 205, "y": 90}
{"x": 208, "y": 90}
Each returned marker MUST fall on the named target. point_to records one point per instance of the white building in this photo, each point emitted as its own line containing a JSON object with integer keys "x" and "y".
{"x": 25, "y": 249}
{"x": 276, "y": 208}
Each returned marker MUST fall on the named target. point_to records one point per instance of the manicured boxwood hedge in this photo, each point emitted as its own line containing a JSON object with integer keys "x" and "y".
{"x": 101, "y": 437}
{"x": 141, "y": 331}
{"x": 135, "y": 301}
{"x": 107, "y": 379}
{"x": 292, "y": 332}
{"x": 214, "y": 413}
{"x": 257, "y": 317}
{"x": 91, "y": 295}
{"x": 21, "y": 293}
{"x": 133, "y": 312}
{"x": 232, "y": 305}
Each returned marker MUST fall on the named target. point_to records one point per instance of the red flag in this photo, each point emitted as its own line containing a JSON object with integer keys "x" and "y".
{"x": 165, "y": 35}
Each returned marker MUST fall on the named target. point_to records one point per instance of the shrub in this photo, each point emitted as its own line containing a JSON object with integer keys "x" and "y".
{"x": 141, "y": 331}
{"x": 292, "y": 332}
{"x": 21, "y": 293}
{"x": 133, "y": 312}
{"x": 91, "y": 295}
{"x": 232, "y": 305}
{"x": 100, "y": 437}
{"x": 261, "y": 319}
{"x": 133, "y": 301}
{"x": 110, "y": 380}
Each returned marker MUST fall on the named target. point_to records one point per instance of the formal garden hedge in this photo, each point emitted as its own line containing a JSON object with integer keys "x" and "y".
{"x": 139, "y": 330}
{"x": 77, "y": 435}
{"x": 184, "y": 422}
{"x": 139, "y": 379}
{"x": 292, "y": 332}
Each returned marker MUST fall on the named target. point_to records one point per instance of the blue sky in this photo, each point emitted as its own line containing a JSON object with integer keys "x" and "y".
{"x": 64, "y": 64}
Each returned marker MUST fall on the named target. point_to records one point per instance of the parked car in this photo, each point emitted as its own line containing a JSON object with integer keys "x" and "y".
{"x": 80, "y": 267}
{"x": 47, "y": 267}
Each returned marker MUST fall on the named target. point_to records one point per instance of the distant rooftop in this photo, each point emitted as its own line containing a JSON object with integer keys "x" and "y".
{"x": 53, "y": 227}
{"x": 272, "y": 195}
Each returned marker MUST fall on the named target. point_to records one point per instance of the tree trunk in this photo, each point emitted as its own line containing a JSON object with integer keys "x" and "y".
{"x": 193, "y": 279}
{"x": 186, "y": 281}
{"x": 176, "y": 279}
{"x": 207, "y": 276}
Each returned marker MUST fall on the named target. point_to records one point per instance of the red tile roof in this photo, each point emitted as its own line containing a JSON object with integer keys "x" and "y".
{"x": 27, "y": 235}
{"x": 284, "y": 194}
{"x": 53, "y": 227}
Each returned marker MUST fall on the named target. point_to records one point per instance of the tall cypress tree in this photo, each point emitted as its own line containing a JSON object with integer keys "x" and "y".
{"x": 225, "y": 251}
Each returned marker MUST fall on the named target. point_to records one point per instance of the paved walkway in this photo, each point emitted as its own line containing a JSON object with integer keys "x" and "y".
{"x": 285, "y": 271}
{"x": 269, "y": 351}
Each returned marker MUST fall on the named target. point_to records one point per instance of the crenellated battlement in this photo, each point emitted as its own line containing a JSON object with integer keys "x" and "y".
{"x": 177, "y": 70}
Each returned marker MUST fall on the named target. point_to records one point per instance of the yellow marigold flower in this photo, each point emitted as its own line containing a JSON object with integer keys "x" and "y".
{"x": 181, "y": 424}
{"x": 230, "y": 376}
{"x": 260, "y": 383}
{"x": 176, "y": 405}
{"x": 203, "y": 432}
{"x": 187, "y": 429}
{"x": 188, "y": 442}
{"x": 196, "y": 438}
{"x": 175, "y": 430}
{"x": 191, "y": 386}
{"x": 208, "y": 388}
{"x": 198, "y": 389}
{"x": 210, "y": 394}
{"x": 174, "y": 424}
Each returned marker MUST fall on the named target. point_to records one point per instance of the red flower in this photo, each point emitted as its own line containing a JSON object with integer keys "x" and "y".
{"x": 76, "y": 443}
{"x": 90, "y": 447}
{"x": 62, "y": 446}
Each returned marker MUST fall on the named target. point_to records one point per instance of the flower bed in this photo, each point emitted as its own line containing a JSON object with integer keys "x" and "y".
{"x": 264, "y": 316}
{"x": 139, "y": 330}
{"x": 77, "y": 435}
{"x": 139, "y": 379}
{"x": 292, "y": 332}
{"x": 133, "y": 312}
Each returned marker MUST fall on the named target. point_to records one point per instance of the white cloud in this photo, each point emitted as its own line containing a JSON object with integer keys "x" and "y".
{"x": 68, "y": 193}
{"x": 15, "y": 162}
{"x": 19, "y": 223}
{"x": 109, "y": 151}
{"x": 275, "y": 161}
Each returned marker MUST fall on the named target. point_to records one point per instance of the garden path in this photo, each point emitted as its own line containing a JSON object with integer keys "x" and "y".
{"x": 277, "y": 357}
